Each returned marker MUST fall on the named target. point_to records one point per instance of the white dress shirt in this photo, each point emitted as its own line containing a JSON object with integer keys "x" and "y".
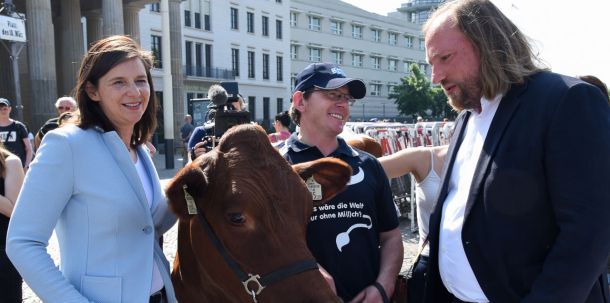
{"x": 455, "y": 270}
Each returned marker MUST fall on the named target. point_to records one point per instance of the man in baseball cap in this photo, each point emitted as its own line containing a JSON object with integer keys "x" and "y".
{"x": 362, "y": 264}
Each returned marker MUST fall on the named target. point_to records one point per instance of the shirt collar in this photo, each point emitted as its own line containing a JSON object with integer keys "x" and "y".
{"x": 293, "y": 143}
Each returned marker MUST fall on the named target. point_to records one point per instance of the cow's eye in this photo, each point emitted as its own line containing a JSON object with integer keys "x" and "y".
{"x": 237, "y": 218}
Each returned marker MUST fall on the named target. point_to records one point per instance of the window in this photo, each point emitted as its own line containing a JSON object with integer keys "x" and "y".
{"x": 265, "y": 26}
{"x": 155, "y": 7}
{"x": 278, "y": 29}
{"x": 336, "y": 27}
{"x": 376, "y": 62}
{"x": 208, "y": 58}
{"x": 198, "y": 20}
{"x": 357, "y": 60}
{"x": 234, "y": 18}
{"x": 251, "y": 64}
{"x": 422, "y": 44}
{"x": 252, "y": 107}
{"x": 391, "y": 89}
{"x": 337, "y": 57}
{"x": 375, "y": 89}
{"x": 409, "y": 41}
{"x": 392, "y": 38}
{"x": 250, "y": 22}
{"x": 188, "y": 54}
{"x": 278, "y": 1}
{"x": 375, "y": 35}
{"x": 266, "y": 66}
{"x": 407, "y": 67}
{"x": 293, "y": 19}
{"x": 293, "y": 52}
{"x": 279, "y": 105}
{"x": 315, "y": 54}
{"x": 279, "y": 61}
{"x": 392, "y": 65}
{"x": 314, "y": 23}
{"x": 266, "y": 112}
{"x": 187, "y": 18}
{"x": 235, "y": 61}
{"x": 206, "y": 22}
{"x": 422, "y": 67}
{"x": 357, "y": 31}
{"x": 155, "y": 47}
{"x": 198, "y": 58}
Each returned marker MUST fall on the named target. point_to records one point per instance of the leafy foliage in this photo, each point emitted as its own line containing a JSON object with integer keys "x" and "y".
{"x": 415, "y": 97}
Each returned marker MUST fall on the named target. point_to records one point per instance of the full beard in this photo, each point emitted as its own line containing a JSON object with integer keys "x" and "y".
{"x": 467, "y": 96}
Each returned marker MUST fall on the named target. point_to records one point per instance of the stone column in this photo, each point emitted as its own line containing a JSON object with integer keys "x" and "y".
{"x": 71, "y": 45}
{"x": 112, "y": 13}
{"x": 41, "y": 61}
{"x": 131, "y": 19}
{"x": 94, "y": 26}
{"x": 175, "y": 28}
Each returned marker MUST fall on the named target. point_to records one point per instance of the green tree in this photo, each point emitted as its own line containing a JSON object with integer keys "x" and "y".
{"x": 415, "y": 97}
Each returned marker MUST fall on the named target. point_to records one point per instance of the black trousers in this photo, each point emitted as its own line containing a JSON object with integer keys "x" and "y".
{"x": 417, "y": 283}
{"x": 10, "y": 280}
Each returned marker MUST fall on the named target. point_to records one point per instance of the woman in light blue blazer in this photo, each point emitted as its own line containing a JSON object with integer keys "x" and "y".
{"x": 95, "y": 183}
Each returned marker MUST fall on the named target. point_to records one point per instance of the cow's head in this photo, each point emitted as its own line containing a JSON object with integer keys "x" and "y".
{"x": 259, "y": 206}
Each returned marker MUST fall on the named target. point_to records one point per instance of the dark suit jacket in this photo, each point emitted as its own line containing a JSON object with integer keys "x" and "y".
{"x": 537, "y": 219}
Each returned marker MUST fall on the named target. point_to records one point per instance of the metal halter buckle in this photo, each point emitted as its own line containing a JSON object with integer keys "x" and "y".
{"x": 253, "y": 279}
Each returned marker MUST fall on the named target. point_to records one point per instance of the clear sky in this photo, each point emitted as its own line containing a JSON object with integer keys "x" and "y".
{"x": 572, "y": 37}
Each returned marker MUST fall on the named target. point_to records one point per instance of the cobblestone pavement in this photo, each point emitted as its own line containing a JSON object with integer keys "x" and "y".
{"x": 409, "y": 240}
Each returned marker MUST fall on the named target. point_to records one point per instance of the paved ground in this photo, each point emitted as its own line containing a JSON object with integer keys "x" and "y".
{"x": 409, "y": 238}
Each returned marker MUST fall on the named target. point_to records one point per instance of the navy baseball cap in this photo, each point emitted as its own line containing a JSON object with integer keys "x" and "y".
{"x": 5, "y": 102}
{"x": 328, "y": 76}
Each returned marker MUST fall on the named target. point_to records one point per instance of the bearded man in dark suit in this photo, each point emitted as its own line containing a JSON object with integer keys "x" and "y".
{"x": 522, "y": 215}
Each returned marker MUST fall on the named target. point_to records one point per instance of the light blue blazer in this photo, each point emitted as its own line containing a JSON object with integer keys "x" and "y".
{"x": 84, "y": 184}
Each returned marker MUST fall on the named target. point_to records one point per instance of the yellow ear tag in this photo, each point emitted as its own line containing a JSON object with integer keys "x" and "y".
{"x": 190, "y": 202}
{"x": 315, "y": 188}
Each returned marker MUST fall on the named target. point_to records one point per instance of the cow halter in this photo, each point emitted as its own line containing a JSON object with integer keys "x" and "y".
{"x": 259, "y": 283}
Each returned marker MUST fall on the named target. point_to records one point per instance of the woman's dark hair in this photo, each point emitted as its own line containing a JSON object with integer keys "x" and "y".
{"x": 102, "y": 56}
{"x": 284, "y": 118}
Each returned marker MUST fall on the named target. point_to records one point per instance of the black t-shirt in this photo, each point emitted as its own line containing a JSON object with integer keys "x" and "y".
{"x": 343, "y": 234}
{"x": 12, "y": 136}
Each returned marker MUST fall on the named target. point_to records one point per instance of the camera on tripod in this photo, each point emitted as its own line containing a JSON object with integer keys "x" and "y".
{"x": 223, "y": 112}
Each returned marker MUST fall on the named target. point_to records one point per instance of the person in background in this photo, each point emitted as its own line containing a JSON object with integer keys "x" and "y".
{"x": 281, "y": 126}
{"x": 95, "y": 183}
{"x": 11, "y": 179}
{"x": 198, "y": 143}
{"x": 64, "y": 104}
{"x": 425, "y": 164}
{"x": 185, "y": 134}
{"x": 355, "y": 236}
{"x": 519, "y": 217}
{"x": 14, "y": 135}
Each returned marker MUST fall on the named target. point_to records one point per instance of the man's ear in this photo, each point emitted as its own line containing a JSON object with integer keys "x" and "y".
{"x": 92, "y": 91}
{"x": 188, "y": 184}
{"x": 331, "y": 173}
{"x": 298, "y": 101}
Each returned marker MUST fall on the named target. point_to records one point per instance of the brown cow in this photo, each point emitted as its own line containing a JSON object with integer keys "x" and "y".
{"x": 365, "y": 143}
{"x": 258, "y": 206}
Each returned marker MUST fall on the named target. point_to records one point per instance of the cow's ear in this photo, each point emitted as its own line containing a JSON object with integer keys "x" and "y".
{"x": 331, "y": 173}
{"x": 188, "y": 184}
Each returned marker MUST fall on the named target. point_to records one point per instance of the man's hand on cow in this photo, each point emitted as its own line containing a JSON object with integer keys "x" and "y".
{"x": 329, "y": 279}
{"x": 368, "y": 295}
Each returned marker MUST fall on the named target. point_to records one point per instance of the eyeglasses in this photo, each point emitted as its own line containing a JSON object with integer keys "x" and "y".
{"x": 336, "y": 96}
{"x": 64, "y": 108}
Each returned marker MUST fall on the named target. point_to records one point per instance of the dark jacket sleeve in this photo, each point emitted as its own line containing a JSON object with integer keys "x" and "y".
{"x": 577, "y": 166}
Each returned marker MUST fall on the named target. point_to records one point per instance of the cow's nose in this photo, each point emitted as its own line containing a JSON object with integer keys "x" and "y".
{"x": 147, "y": 229}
